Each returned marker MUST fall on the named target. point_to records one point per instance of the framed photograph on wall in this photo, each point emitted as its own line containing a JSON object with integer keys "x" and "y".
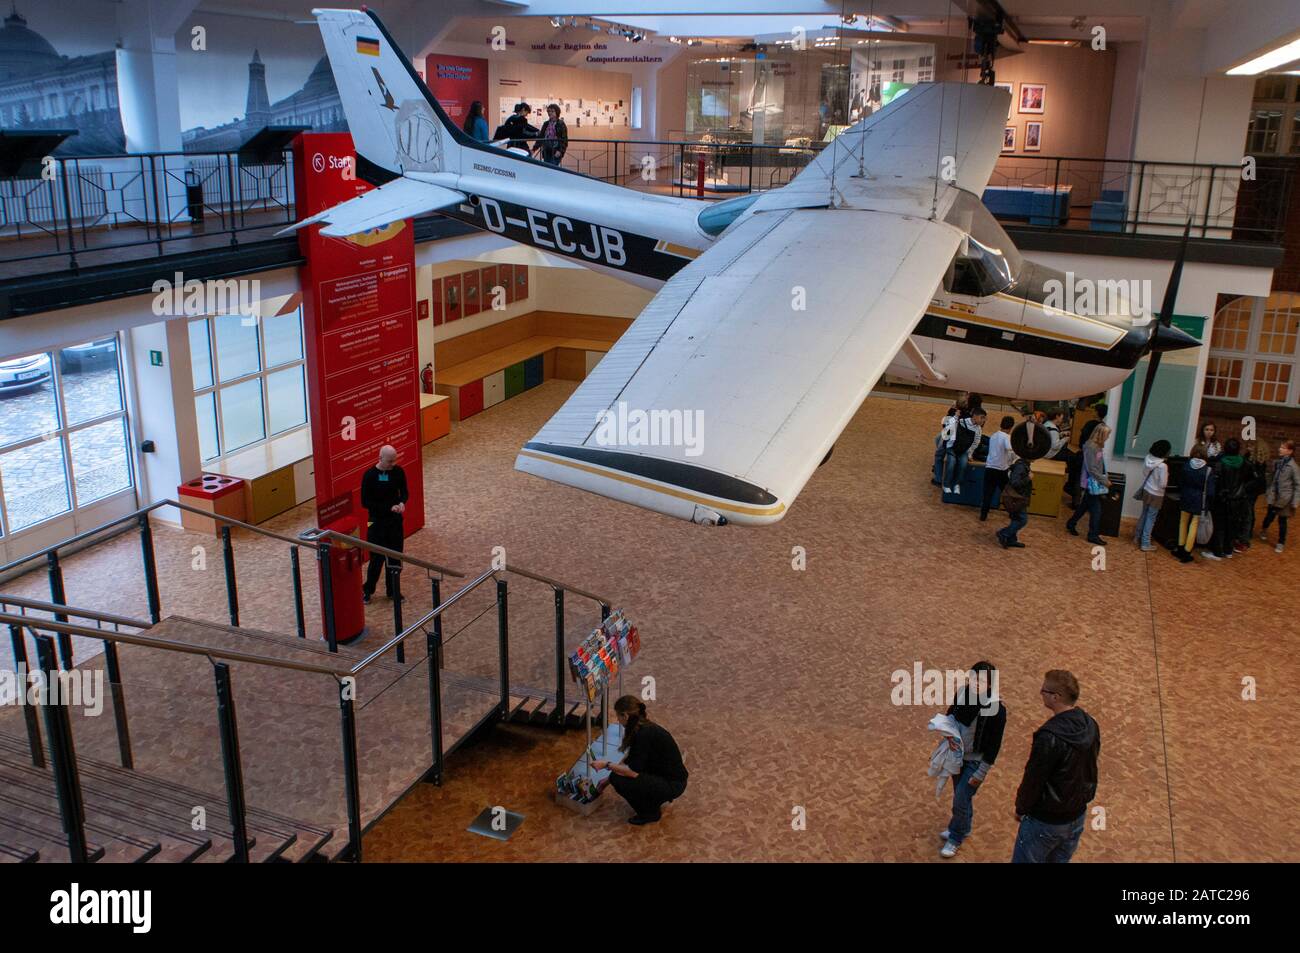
{"x": 1009, "y": 139}
{"x": 1011, "y": 97}
{"x": 521, "y": 282}
{"x": 451, "y": 298}
{"x": 487, "y": 282}
{"x": 506, "y": 275}
{"x": 469, "y": 281}
{"x": 1033, "y": 136}
{"x": 436, "y": 299}
{"x": 422, "y": 309}
{"x": 1032, "y": 97}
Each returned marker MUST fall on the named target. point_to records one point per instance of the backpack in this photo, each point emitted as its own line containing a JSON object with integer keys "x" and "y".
{"x": 962, "y": 439}
{"x": 1015, "y": 495}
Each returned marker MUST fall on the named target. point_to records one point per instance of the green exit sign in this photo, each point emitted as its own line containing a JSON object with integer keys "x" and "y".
{"x": 155, "y": 358}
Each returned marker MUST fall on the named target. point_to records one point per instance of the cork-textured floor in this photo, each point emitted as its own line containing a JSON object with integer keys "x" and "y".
{"x": 776, "y": 681}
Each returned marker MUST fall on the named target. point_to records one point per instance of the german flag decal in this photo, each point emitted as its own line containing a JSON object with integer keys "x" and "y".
{"x": 367, "y": 46}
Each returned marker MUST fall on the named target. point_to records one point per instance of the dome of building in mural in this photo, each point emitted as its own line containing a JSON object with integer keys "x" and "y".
{"x": 23, "y": 51}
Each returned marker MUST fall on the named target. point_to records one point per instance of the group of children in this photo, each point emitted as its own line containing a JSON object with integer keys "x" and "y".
{"x": 1219, "y": 484}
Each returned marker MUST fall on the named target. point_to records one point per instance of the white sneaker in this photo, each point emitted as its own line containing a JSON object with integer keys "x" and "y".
{"x": 1148, "y": 549}
{"x": 949, "y": 849}
{"x": 956, "y": 491}
{"x": 1206, "y": 554}
{"x": 1278, "y": 548}
{"x": 1263, "y": 537}
{"x": 943, "y": 834}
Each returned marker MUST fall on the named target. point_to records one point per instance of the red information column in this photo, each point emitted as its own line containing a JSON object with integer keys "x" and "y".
{"x": 362, "y": 362}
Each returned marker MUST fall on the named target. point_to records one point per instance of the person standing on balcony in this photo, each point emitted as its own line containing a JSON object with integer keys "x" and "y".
{"x": 384, "y": 495}
{"x": 475, "y": 122}
{"x": 554, "y": 140}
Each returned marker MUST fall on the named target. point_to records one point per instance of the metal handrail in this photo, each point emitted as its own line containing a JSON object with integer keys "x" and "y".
{"x": 95, "y": 614}
{"x": 527, "y": 574}
{"x": 303, "y": 540}
{"x": 311, "y": 536}
{"x": 185, "y": 648}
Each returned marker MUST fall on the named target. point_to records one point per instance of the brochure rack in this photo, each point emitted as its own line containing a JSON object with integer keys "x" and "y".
{"x": 601, "y": 657}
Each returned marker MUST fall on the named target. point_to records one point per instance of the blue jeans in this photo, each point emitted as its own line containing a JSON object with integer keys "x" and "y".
{"x": 1090, "y": 504}
{"x": 1019, "y": 519}
{"x": 963, "y": 812}
{"x": 1041, "y": 843}
{"x": 954, "y": 467}
{"x": 1146, "y": 522}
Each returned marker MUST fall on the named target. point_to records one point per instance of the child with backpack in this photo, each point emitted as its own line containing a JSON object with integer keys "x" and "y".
{"x": 1155, "y": 478}
{"x": 965, "y": 439}
{"x": 1015, "y": 500}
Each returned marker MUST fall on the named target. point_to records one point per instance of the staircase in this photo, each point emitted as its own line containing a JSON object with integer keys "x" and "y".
{"x": 224, "y": 743}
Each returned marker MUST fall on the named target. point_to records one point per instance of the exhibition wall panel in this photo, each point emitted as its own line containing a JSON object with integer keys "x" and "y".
{"x": 594, "y": 104}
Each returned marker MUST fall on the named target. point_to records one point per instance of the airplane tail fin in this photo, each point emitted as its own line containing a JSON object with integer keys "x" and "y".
{"x": 396, "y": 124}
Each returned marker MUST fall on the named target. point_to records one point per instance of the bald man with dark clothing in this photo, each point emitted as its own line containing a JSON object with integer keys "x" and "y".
{"x": 384, "y": 495}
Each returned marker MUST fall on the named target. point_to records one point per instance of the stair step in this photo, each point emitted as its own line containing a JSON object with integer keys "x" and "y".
{"x": 169, "y": 807}
{"x": 18, "y": 855}
{"x": 36, "y": 804}
{"x": 515, "y": 706}
{"x": 51, "y": 844}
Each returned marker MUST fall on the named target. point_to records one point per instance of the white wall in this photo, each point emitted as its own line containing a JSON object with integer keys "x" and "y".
{"x": 582, "y": 291}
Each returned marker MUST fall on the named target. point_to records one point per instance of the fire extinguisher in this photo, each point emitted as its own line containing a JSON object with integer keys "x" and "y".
{"x": 426, "y": 378}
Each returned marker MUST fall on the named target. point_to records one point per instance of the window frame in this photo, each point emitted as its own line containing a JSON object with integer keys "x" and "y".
{"x": 63, "y": 433}
{"x": 261, "y": 374}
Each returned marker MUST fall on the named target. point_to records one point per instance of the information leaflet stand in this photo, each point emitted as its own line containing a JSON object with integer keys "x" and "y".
{"x": 602, "y": 656}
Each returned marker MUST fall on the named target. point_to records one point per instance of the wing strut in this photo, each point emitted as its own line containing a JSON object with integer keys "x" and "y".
{"x": 918, "y": 358}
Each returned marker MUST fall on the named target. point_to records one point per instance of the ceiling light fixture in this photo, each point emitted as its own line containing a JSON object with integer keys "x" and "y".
{"x": 1267, "y": 61}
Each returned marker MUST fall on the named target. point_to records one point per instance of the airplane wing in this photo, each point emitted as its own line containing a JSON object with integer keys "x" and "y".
{"x": 723, "y": 397}
{"x": 728, "y": 391}
{"x": 398, "y": 199}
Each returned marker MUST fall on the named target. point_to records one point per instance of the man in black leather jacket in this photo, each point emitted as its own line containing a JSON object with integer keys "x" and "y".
{"x": 1060, "y": 777}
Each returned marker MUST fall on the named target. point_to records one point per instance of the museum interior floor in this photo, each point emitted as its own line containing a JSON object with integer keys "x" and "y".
{"x": 776, "y": 682}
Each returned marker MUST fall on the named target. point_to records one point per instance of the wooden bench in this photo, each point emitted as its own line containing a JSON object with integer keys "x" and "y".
{"x": 483, "y": 368}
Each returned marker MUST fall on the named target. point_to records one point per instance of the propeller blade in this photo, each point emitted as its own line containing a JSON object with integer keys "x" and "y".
{"x": 1152, "y": 367}
{"x": 1175, "y": 279}
{"x": 1165, "y": 320}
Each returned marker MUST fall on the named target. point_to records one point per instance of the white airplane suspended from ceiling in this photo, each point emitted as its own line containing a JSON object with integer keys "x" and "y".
{"x": 900, "y": 268}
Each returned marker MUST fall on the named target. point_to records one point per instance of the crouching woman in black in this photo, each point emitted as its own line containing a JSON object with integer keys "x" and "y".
{"x": 652, "y": 773}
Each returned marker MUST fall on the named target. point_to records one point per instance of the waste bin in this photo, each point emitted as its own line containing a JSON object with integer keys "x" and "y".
{"x": 1112, "y": 505}
{"x": 221, "y": 495}
{"x": 194, "y": 199}
{"x": 345, "y": 567}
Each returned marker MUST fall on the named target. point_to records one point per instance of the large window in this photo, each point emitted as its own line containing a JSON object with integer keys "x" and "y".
{"x": 1252, "y": 350}
{"x": 249, "y": 383}
{"x": 63, "y": 432}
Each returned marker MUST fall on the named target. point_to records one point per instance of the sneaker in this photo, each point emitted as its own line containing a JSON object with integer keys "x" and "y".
{"x": 1185, "y": 557}
{"x": 1016, "y": 545}
{"x": 1239, "y": 547}
{"x": 365, "y": 598}
{"x": 1071, "y": 530}
{"x": 1263, "y": 537}
{"x": 1148, "y": 548}
{"x": 1206, "y": 554}
{"x": 956, "y": 491}
{"x": 944, "y": 835}
{"x": 1278, "y": 548}
{"x": 1002, "y": 541}
{"x": 949, "y": 849}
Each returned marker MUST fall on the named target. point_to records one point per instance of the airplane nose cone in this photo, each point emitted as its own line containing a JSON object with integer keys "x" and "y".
{"x": 1172, "y": 339}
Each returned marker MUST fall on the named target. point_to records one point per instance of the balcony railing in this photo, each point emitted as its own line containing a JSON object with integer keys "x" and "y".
{"x": 95, "y": 210}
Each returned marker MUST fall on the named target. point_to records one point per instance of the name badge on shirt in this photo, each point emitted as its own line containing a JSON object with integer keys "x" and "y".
{"x": 383, "y": 478}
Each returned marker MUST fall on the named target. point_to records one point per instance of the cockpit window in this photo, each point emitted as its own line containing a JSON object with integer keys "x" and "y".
{"x": 989, "y": 263}
{"x": 714, "y": 219}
